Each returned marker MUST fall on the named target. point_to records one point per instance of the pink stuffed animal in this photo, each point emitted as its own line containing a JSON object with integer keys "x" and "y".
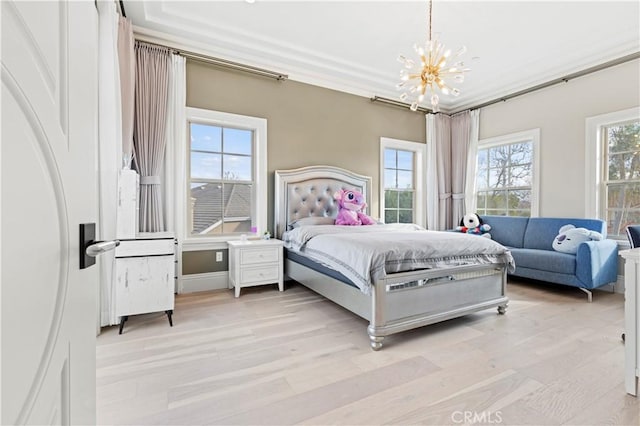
{"x": 351, "y": 204}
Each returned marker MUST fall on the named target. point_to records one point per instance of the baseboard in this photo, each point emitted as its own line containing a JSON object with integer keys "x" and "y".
{"x": 204, "y": 282}
{"x": 619, "y": 285}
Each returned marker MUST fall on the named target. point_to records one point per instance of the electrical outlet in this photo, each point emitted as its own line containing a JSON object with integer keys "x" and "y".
{"x": 218, "y": 256}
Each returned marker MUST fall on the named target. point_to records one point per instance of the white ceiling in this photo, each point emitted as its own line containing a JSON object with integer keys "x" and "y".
{"x": 352, "y": 46}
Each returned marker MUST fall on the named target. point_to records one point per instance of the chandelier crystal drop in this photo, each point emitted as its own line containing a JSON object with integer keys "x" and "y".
{"x": 419, "y": 80}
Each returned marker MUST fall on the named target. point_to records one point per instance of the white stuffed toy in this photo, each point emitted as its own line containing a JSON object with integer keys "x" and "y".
{"x": 569, "y": 238}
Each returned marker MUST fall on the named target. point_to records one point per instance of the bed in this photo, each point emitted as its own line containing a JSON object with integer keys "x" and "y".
{"x": 394, "y": 301}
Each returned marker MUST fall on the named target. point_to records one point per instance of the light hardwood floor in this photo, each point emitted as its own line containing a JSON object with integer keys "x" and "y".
{"x": 271, "y": 358}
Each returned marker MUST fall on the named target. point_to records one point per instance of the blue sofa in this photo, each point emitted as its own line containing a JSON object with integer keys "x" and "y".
{"x": 530, "y": 240}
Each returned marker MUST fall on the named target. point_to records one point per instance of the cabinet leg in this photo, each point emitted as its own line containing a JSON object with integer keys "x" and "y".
{"x": 122, "y": 321}
{"x": 169, "y": 313}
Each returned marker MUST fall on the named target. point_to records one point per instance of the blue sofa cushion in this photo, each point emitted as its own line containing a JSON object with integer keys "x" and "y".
{"x": 541, "y": 231}
{"x": 507, "y": 230}
{"x": 550, "y": 261}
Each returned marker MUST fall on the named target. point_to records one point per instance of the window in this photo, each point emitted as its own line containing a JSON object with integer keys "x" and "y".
{"x": 225, "y": 175}
{"x": 506, "y": 182}
{"x": 616, "y": 140}
{"x": 401, "y": 183}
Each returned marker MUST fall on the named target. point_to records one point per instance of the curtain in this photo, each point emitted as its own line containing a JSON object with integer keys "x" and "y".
{"x": 151, "y": 95}
{"x": 176, "y": 132}
{"x": 460, "y": 131}
{"x": 443, "y": 155}
{"x": 474, "y": 135}
{"x": 127, "y": 62}
{"x": 109, "y": 150}
{"x": 431, "y": 175}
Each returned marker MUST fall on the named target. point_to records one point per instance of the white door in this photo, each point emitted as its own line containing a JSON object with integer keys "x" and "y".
{"x": 48, "y": 179}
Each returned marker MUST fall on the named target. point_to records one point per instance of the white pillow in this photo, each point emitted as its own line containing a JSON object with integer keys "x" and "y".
{"x": 312, "y": 220}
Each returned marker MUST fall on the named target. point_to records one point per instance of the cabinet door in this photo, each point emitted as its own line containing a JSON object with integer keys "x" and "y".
{"x": 144, "y": 284}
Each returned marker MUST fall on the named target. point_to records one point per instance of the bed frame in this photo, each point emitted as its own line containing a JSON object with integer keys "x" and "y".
{"x": 402, "y": 301}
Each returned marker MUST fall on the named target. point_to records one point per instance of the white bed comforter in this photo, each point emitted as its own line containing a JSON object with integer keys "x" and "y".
{"x": 365, "y": 254}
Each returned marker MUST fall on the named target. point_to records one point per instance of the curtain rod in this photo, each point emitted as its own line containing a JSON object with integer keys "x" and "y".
{"x": 553, "y": 82}
{"x": 233, "y": 65}
{"x": 124, "y": 15}
{"x": 398, "y": 103}
{"x": 200, "y": 57}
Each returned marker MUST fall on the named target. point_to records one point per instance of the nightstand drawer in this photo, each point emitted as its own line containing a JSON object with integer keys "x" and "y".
{"x": 260, "y": 255}
{"x": 266, "y": 273}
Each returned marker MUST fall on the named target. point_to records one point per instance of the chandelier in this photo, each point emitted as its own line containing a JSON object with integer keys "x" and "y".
{"x": 432, "y": 72}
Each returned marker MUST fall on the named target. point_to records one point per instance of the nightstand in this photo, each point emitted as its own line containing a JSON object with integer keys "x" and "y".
{"x": 255, "y": 262}
{"x": 145, "y": 272}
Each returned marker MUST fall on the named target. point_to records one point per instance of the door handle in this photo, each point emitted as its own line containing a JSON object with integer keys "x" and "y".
{"x": 89, "y": 248}
{"x": 101, "y": 246}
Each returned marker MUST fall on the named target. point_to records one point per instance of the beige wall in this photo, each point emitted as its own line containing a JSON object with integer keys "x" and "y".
{"x": 307, "y": 125}
{"x": 560, "y": 112}
{"x": 312, "y": 125}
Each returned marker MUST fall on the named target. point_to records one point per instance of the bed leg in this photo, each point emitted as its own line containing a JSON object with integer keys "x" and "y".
{"x": 502, "y": 309}
{"x": 375, "y": 341}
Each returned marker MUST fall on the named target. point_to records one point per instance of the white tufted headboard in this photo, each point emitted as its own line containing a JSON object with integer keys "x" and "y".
{"x": 308, "y": 192}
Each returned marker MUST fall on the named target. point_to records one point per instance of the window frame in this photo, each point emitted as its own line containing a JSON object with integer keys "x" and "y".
{"x": 224, "y": 120}
{"x": 594, "y": 153}
{"x": 420, "y": 164}
{"x": 532, "y": 135}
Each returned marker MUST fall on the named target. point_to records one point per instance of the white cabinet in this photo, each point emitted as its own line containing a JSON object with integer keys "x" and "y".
{"x": 255, "y": 262}
{"x": 145, "y": 276}
{"x": 631, "y": 319}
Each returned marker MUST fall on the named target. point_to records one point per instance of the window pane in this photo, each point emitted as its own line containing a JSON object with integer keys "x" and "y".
{"x": 482, "y": 158}
{"x": 237, "y": 208}
{"x": 482, "y": 200}
{"x": 205, "y": 209}
{"x": 624, "y": 166}
{"x": 390, "y": 158}
{"x": 497, "y": 199}
{"x": 623, "y": 137}
{"x": 520, "y": 200}
{"x": 206, "y": 138}
{"x": 521, "y": 175}
{"x": 405, "y": 200}
{"x": 237, "y": 167}
{"x": 405, "y": 160}
{"x": 521, "y": 153}
{"x": 405, "y": 216}
{"x": 618, "y": 220}
{"x": 390, "y": 216}
{"x": 499, "y": 156}
{"x": 405, "y": 179}
{"x": 205, "y": 166}
{"x": 482, "y": 178}
{"x": 497, "y": 178}
{"x": 391, "y": 199}
{"x": 390, "y": 179}
{"x": 237, "y": 141}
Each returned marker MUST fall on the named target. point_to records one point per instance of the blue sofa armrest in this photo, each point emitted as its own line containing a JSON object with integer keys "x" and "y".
{"x": 597, "y": 263}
